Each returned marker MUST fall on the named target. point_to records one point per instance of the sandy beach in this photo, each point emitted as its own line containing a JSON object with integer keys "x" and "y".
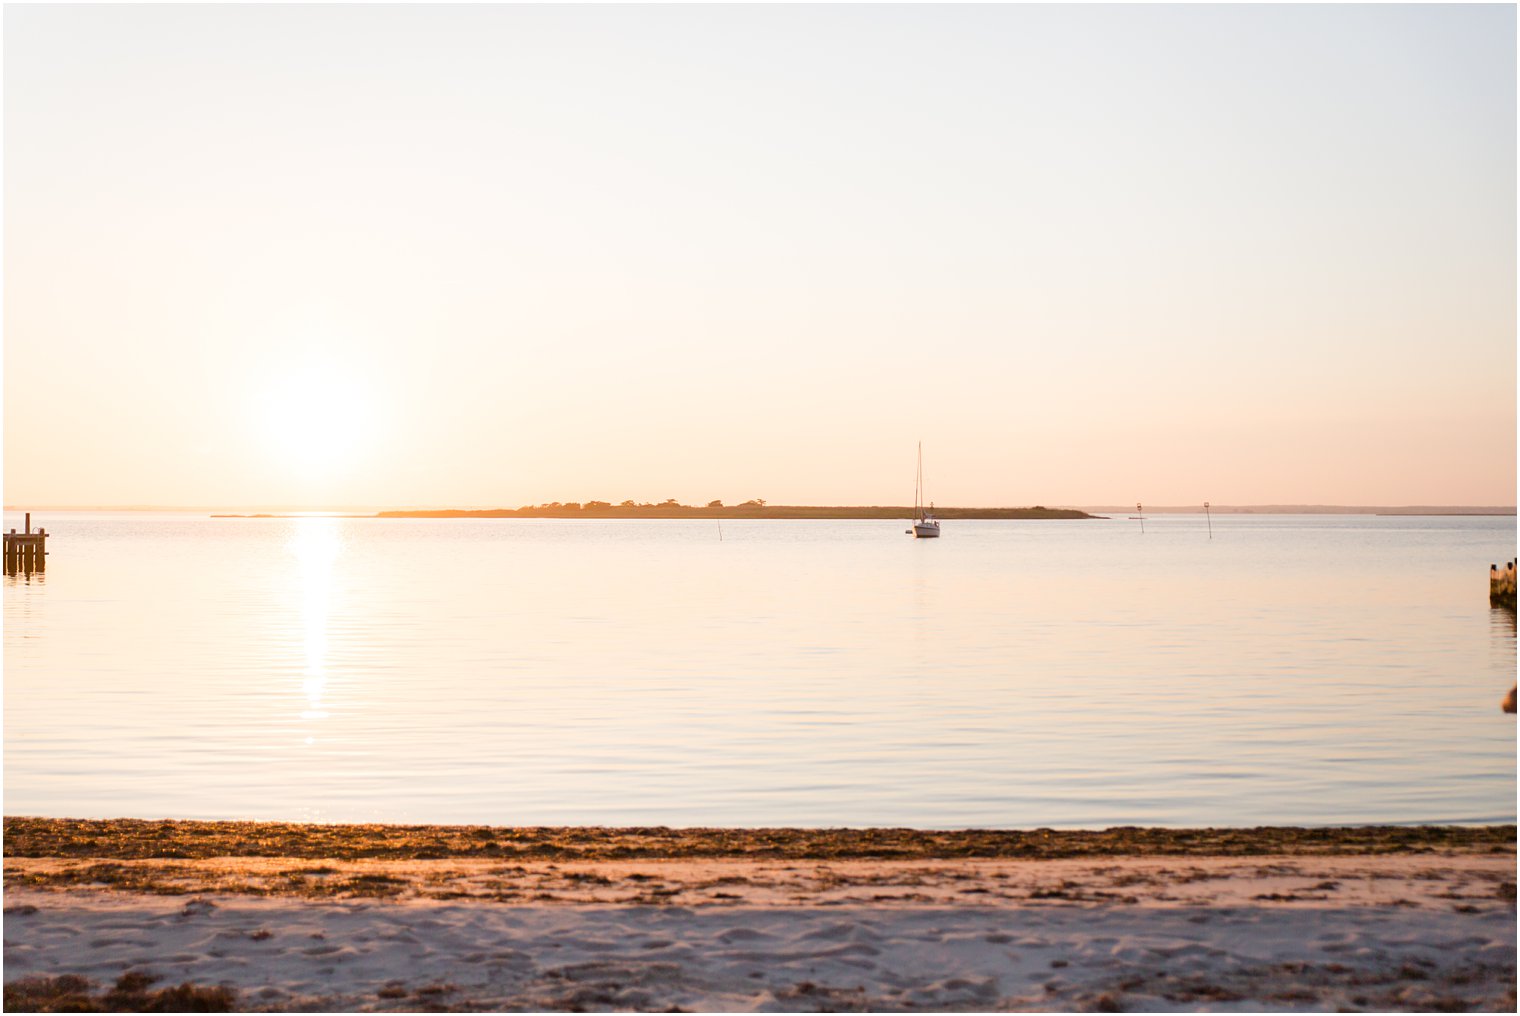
{"x": 349, "y": 918}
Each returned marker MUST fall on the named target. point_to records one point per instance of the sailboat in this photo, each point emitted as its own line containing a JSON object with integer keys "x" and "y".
{"x": 926, "y": 525}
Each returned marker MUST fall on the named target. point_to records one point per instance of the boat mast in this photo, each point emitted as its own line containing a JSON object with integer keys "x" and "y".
{"x": 918, "y": 488}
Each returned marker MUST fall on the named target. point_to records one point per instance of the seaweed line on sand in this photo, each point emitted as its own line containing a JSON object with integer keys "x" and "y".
{"x": 127, "y": 839}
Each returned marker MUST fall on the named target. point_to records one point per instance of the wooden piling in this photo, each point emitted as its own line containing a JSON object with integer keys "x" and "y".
{"x": 1501, "y": 585}
{"x": 1501, "y": 593}
{"x": 26, "y": 552}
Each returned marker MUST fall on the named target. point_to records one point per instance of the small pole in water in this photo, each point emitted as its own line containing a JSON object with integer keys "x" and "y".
{"x": 1207, "y": 519}
{"x": 720, "y": 530}
{"x": 1140, "y": 514}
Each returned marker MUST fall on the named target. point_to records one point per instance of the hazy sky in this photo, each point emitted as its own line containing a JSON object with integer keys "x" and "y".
{"x": 276, "y": 255}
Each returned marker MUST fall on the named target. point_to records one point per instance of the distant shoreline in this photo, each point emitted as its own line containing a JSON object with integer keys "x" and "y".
{"x": 880, "y": 512}
{"x": 669, "y": 512}
{"x": 742, "y": 511}
{"x": 1317, "y": 509}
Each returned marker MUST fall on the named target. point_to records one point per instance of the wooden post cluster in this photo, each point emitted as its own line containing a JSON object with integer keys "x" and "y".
{"x": 1501, "y": 585}
{"x": 1501, "y": 593}
{"x": 26, "y": 552}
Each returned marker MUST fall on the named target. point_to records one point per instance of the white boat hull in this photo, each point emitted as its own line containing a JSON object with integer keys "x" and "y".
{"x": 924, "y": 530}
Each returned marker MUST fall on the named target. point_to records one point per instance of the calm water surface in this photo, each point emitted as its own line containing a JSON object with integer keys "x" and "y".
{"x": 1321, "y": 669}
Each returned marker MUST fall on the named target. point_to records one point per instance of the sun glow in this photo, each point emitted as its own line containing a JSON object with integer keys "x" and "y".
{"x": 316, "y": 418}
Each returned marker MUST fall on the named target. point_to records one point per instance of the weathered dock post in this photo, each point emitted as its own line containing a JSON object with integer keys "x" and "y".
{"x": 1501, "y": 585}
{"x": 1501, "y": 593}
{"x": 26, "y": 552}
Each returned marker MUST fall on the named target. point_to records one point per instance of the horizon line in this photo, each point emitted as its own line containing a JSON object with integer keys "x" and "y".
{"x": 1278, "y": 507}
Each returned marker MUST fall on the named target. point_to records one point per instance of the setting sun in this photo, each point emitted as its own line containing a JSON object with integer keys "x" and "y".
{"x": 316, "y": 419}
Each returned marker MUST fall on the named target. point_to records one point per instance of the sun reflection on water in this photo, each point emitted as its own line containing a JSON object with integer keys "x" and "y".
{"x": 316, "y": 544}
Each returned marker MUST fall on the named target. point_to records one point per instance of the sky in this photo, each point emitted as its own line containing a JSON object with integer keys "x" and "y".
{"x": 343, "y": 256}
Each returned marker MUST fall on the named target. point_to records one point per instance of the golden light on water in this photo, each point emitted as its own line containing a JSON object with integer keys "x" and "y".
{"x": 316, "y": 545}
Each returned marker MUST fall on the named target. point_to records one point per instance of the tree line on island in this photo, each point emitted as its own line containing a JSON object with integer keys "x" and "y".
{"x": 754, "y": 509}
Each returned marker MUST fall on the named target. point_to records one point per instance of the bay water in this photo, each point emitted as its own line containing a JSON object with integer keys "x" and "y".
{"x": 1285, "y": 670}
